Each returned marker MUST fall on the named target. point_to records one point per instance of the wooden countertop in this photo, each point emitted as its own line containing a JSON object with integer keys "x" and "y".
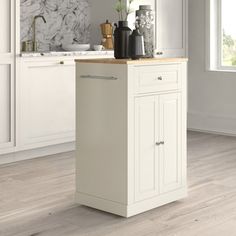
{"x": 131, "y": 62}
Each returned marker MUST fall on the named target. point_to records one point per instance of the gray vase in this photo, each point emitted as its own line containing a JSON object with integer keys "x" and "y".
{"x": 136, "y": 45}
{"x": 145, "y": 19}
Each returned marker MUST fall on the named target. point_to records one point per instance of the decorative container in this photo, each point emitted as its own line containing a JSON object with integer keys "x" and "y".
{"x": 145, "y": 19}
{"x": 121, "y": 40}
{"x": 107, "y": 32}
{"x": 136, "y": 48}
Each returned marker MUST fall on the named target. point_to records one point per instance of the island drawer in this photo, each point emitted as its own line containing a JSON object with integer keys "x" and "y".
{"x": 157, "y": 78}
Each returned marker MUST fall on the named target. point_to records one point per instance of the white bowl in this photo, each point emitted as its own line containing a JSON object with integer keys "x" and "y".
{"x": 76, "y": 47}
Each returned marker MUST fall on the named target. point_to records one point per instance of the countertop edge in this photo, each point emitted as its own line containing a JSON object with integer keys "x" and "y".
{"x": 66, "y": 54}
{"x": 129, "y": 61}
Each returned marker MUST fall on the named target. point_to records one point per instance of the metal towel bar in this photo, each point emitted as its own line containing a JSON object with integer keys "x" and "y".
{"x": 98, "y": 77}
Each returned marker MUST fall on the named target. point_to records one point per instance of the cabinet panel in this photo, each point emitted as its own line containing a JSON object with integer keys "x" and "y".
{"x": 6, "y": 105}
{"x": 171, "y": 27}
{"x": 47, "y": 103}
{"x": 7, "y": 75}
{"x": 5, "y": 26}
{"x": 170, "y": 133}
{"x": 146, "y": 155}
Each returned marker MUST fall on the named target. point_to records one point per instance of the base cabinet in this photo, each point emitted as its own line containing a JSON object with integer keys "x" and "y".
{"x": 47, "y": 109}
{"x": 131, "y": 127}
{"x": 7, "y": 76}
{"x": 157, "y": 145}
{"x": 171, "y": 136}
{"x": 6, "y": 106}
{"x": 147, "y": 159}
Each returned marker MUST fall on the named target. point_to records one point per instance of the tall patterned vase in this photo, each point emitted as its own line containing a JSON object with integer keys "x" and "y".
{"x": 145, "y": 20}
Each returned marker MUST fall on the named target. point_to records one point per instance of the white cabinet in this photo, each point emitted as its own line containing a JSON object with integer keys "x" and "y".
{"x": 47, "y": 102}
{"x": 171, "y": 134}
{"x": 131, "y": 134}
{"x": 171, "y": 27}
{"x": 7, "y": 27}
{"x": 147, "y": 160}
{"x": 157, "y": 145}
{"x": 7, "y": 75}
{"x": 6, "y": 106}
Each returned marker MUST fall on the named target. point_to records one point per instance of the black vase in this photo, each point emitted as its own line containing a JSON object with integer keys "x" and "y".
{"x": 136, "y": 47}
{"x": 121, "y": 40}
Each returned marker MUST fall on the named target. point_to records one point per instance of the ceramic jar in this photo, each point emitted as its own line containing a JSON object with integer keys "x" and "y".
{"x": 145, "y": 20}
{"x": 136, "y": 48}
{"x": 121, "y": 40}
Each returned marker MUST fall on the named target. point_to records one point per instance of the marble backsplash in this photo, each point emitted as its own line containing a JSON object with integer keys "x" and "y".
{"x": 67, "y": 21}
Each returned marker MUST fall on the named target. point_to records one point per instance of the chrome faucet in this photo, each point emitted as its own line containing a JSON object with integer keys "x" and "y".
{"x": 35, "y": 46}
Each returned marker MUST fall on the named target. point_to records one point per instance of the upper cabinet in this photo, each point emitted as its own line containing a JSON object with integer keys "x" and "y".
{"x": 171, "y": 27}
{"x": 6, "y": 26}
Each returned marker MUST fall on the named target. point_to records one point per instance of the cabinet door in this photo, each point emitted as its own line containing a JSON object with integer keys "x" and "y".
{"x": 171, "y": 27}
{"x": 146, "y": 151}
{"x": 7, "y": 67}
{"x": 47, "y": 110}
{"x": 6, "y": 105}
{"x": 6, "y": 27}
{"x": 170, "y": 134}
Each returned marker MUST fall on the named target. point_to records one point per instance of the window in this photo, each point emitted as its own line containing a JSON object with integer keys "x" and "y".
{"x": 221, "y": 33}
{"x": 228, "y": 32}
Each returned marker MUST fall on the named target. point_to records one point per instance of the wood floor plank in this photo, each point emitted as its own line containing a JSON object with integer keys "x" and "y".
{"x": 37, "y": 198}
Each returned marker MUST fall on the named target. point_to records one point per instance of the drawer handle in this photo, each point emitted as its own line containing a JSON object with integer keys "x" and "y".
{"x": 160, "y": 78}
{"x": 160, "y": 143}
{"x": 61, "y": 62}
{"x": 98, "y": 77}
{"x": 159, "y": 53}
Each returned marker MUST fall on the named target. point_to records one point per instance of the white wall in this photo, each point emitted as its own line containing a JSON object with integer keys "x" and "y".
{"x": 212, "y": 95}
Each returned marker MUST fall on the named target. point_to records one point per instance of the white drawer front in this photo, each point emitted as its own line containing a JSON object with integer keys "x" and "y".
{"x": 157, "y": 78}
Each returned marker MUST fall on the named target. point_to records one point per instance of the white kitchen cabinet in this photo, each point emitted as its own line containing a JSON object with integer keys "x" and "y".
{"x": 6, "y": 106}
{"x": 171, "y": 27}
{"x": 170, "y": 128}
{"x": 131, "y": 134}
{"x": 146, "y": 152}
{"x": 47, "y": 102}
{"x": 157, "y": 145}
{"x": 7, "y": 75}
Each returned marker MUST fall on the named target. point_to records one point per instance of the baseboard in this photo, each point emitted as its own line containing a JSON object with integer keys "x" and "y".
{"x": 158, "y": 201}
{"x": 133, "y": 209}
{"x": 208, "y": 123}
{"x": 38, "y": 152}
{"x": 101, "y": 204}
{"x": 211, "y": 132}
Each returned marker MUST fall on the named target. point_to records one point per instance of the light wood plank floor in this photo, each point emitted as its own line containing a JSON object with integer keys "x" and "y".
{"x": 36, "y": 198}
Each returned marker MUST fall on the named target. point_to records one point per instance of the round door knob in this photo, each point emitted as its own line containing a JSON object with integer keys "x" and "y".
{"x": 61, "y": 62}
